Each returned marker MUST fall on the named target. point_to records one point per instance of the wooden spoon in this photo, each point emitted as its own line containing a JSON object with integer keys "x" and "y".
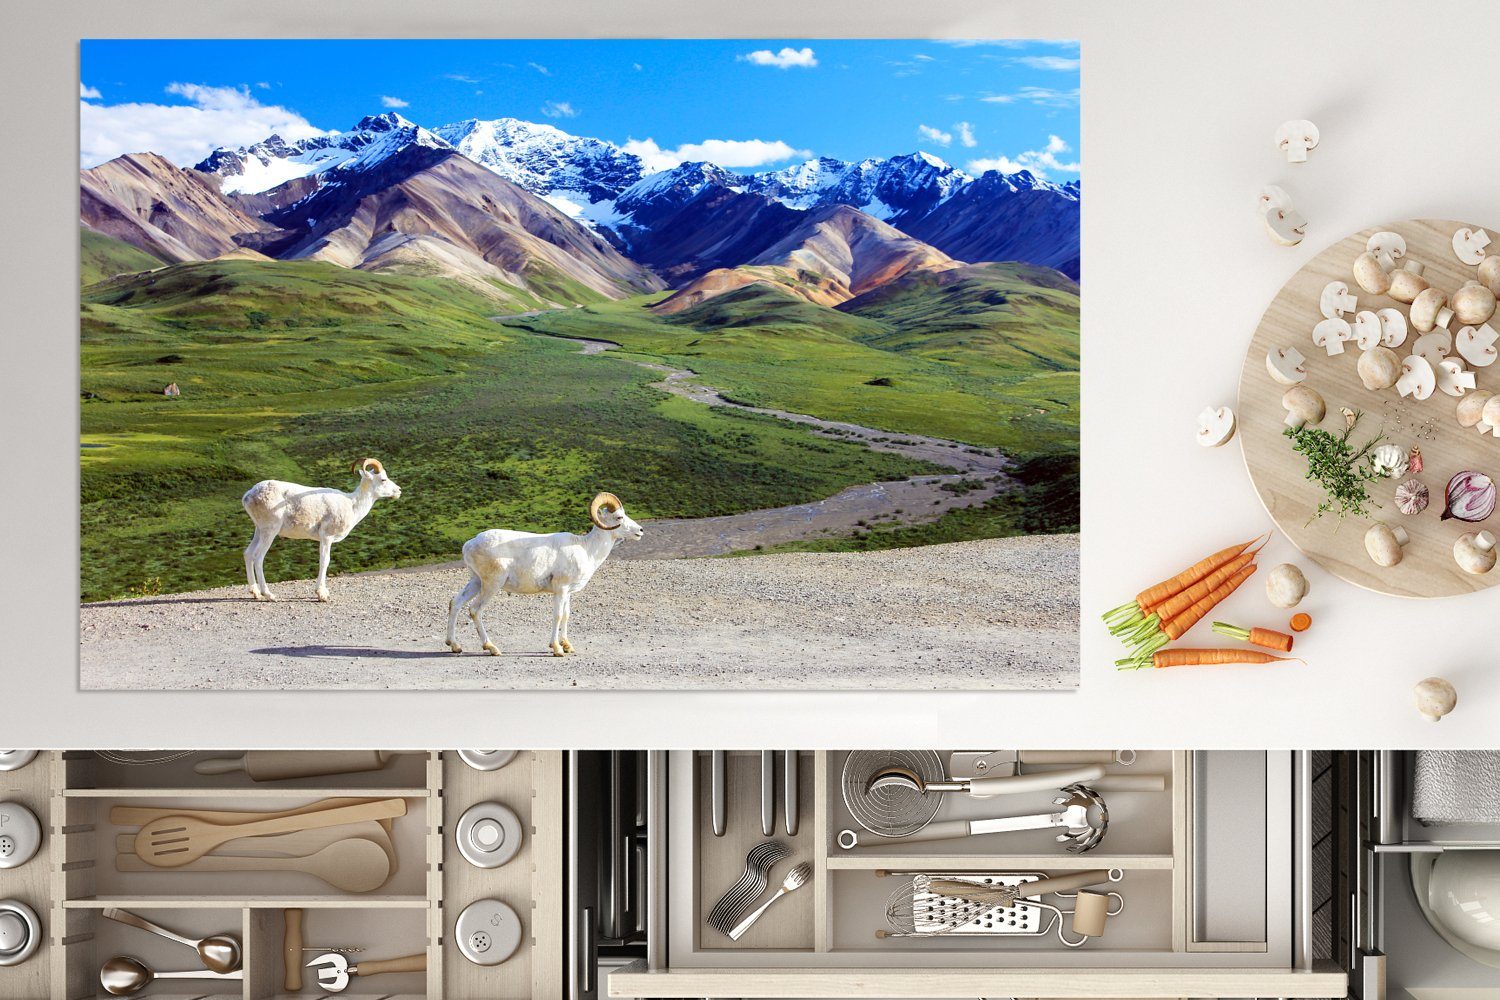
{"x": 177, "y": 840}
{"x": 349, "y": 865}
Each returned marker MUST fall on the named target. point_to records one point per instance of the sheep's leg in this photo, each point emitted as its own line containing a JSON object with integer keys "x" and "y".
{"x": 325, "y": 549}
{"x": 261, "y": 544}
{"x": 456, "y": 607}
{"x": 250, "y": 564}
{"x": 476, "y": 615}
{"x": 567, "y": 616}
{"x": 559, "y": 615}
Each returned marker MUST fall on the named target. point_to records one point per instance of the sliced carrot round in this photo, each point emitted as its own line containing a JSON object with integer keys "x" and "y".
{"x": 1301, "y": 622}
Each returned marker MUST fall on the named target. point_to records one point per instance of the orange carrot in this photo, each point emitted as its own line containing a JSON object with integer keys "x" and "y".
{"x": 1201, "y": 657}
{"x": 1177, "y": 605}
{"x": 1269, "y": 638}
{"x": 1134, "y": 619}
{"x": 1149, "y": 598}
{"x": 1178, "y": 626}
{"x": 1301, "y": 622}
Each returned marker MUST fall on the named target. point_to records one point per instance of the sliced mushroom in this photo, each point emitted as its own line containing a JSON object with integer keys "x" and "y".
{"x": 1434, "y": 346}
{"x": 1285, "y": 365}
{"x": 1469, "y": 245}
{"x": 1489, "y": 420}
{"x": 1471, "y": 408}
{"x": 1417, "y": 380}
{"x": 1388, "y": 248}
{"x": 1430, "y": 309}
{"x": 1476, "y": 346}
{"x": 1489, "y": 273}
{"x": 1370, "y": 276}
{"x": 1336, "y": 300}
{"x": 1284, "y": 224}
{"x": 1303, "y": 406}
{"x": 1475, "y": 552}
{"x": 1295, "y": 138}
{"x": 1452, "y": 378}
{"x": 1392, "y": 326}
{"x": 1332, "y": 335}
{"x": 1215, "y": 426}
{"x": 1379, "y": 367}
{"x": 1473, "y": 304}
{"x": 1408, "y": 282}
{"x": 1384, "y": 544}
{"x": 1366, "y": 329}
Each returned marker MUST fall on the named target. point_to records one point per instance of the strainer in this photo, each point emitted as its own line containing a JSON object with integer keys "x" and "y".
{"x": 891, "y": 809}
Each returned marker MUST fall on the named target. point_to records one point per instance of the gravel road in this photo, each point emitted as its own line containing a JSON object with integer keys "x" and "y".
{"x": 989, "y": 614}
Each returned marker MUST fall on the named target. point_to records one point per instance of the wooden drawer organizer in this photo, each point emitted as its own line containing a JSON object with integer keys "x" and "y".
{"x": 75, "y": 878}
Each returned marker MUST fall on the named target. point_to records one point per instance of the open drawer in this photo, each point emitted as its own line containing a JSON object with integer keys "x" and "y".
{"x": 1204, "y": 866}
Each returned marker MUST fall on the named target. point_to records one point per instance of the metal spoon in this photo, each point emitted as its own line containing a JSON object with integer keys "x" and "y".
{"x": 795, "y": 879}
{"x": 121, "y": 976}
{"x": 219, "y": 953}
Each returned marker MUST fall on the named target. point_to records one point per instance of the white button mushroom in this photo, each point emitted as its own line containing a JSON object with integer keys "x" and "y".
{"x": 1295, "y": 138}
{"x": 1430, "y": 309}
{"x": 1475, "y": 552}
{"x": 1336, "y": 300}
{"x": 1489, "y": 273}
{"x": 1384, "y": 544}
{"x": 1387, "y": 248}
{"x": 1286, "y": 586}
{"x": 1452, "y": 378}
{"x": 1332, "y": 335}
{"x": 1418, "y": 379}
{"x": 1435, "y": 698}
{"x": 1434, "y": 346}
{"x": 1477, "y": 346}
{"x": 1370, "y": 276}
{"x": 1379, "y": 368}
{"x": 1215, "y": 426}
{"x": 1471, "y": 409}
{"x": 1473, "y": 303}
{"x": 1284, "y": 224}
{"x": 1303, "y": 406}
{"x": 1407, "y": 283}
{"x": 1285, "y": 365}
{"x": 1469, "y": 245}
{"x": 1392, "y": 326}
{"x": 1367, "y": 329}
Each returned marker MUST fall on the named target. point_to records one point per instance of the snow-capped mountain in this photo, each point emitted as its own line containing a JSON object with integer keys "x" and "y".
{"x": 274, "y": 161}
{"x": 890, "y": 189}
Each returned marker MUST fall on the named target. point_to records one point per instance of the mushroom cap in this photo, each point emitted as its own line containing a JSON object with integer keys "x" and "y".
{"x": 1334, "y": 300}
{"x": 1392, "y": 326}
{"x": 1418, "y": 379}
{"x": 1452, "y": 378}
{"x": 1285, "y": 365}
{"x": 1369, "y": 275}
{"x": 1435, "y": 697}
{"x": 1491, "y": 414}
{"x": 1434, "y": 346}
{"x": 1332, "y": 334}
{"x": 1489, "y": 273}
{"x": 1379, "y": 368}
{"x": 1367, "y": 329}
{"x": 1303, "y": 406}
{"x": 1471, "y": 407}
{"x": 1477, "y": 346}
{"x": 1469, "y": 244}
{"x": 1426, "y": 309}
{"x": 1387, "y": 243}
{"x": 1286, "y": 586}
{"x": 1407, "y": 282}
{"x": 1473, "y": 304}
{"x": 1475, "y": 552}
{"x": 1384, "y": 543}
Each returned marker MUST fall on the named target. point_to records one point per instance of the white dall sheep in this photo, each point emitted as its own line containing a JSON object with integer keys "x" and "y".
{"x": 327, "y": 515}
{"x": 521, "y": 562}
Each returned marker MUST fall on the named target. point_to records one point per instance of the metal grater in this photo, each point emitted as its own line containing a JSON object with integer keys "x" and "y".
{"x": 1000, "y": 920}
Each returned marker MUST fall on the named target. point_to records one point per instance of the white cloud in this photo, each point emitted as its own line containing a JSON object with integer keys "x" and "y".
{"x": 559, "y": 109}
{"x": 922, "y": 57}
{"x": 184, "y": 133}
{"x": 87, "y": 93}
{"x": 934, "y": 135}
{"x": 785, "y": 59}
{"x": 540, "y": 68}
{"x": 637, "y": 67}
{"x": 393, "y": 102}
{"x": 966, "y": 134}
{"x": 724, "y": 152}
{"x": 460, "y": 77}
{"x": 1038, "y": 161}
{"x": 1045, "y": 97}
{"x": 1059, "y": 64}
{"x": 263, "y": 85}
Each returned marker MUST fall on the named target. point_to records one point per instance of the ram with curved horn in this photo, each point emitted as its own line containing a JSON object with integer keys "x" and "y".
{"x": 521, "y": 562}
{"x": 324, "y": 514}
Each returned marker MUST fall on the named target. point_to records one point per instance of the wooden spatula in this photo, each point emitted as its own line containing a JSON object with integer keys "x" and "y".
{"x": 173, "y": 841}
{"x": 349, "y": 865}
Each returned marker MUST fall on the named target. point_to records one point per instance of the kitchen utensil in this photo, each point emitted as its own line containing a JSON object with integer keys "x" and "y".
{"x": 291, "y": 948}
{"x": 176, "y": 840}
{"x": 758, "y": 864}
{"x": 993, "y": 763}
{"x": 795, "y": 879}
{"x": 941, "y": 904}
{"x": 298, "y": 844}
{"x": 20, "y": 932}
{"x": 334, "y": 970}
{"x": 981, "y": 788}
{"x": 927, "y": 914}
{"x": 218, "y": 952}
{"x": 281, "y": 765}
{"x": 719, "y": 768}
{"x": 488, "y": 834}
{"x": 488, "y": 932}
{"x": 14, "y": 760}
{"x": 768, "y": 792}
{"x": 20, "y": 835}
{"x": 121, "y": 976}
{"x": 487, "y": 760}
{"x": 1090, "y": 909}
{"x": 123, "y": 815}
{"x": 348, "y": 865}
{"x": 1083, "y": 818}
{"x": 790, "y": 792}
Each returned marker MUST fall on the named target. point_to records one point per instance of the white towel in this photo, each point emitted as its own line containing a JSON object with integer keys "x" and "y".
{"x": 1456, "y": 786}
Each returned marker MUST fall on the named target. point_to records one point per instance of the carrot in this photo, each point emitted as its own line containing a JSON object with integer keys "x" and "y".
{"x": 1149, "y": 598}
{"x": 1175, "y": 628}
{"x": 1201, "y": 657}
{"x": 1269, "y": 638}
{"x": 1301, "y": 622}
{"x": 1177, "y": 605}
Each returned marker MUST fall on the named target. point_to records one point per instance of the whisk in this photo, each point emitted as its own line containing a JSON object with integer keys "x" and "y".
{"x": 939, "y": 904}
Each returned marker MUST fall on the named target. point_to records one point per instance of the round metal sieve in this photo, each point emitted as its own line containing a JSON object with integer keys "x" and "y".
{"x": 892, "y": 810}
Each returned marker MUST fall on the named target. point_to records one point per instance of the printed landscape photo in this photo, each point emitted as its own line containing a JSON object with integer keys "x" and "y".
{"x": 596, "y": 364}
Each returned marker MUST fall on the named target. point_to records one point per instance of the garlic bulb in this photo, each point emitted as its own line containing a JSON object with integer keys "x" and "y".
{"x": 1389, "y": 460}
{"x": 1412, "y": 497}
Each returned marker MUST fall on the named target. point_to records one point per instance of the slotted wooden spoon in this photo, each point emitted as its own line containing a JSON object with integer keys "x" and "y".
{"x": 173, "y": 841}
{"x": 348, "y": 865}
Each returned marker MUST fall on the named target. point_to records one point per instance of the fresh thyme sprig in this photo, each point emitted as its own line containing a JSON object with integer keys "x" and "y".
{"x": 1337, "y": 467}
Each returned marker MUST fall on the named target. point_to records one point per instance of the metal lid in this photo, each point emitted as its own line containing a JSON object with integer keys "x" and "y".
{"x": 488, "y": 932}
{"x": 20, "y": 835}
{"x": 20, "y": 932}
{"x": 488, "y": 834}
{"x": 14, "y": 760}
{"x": 487, "y": 760}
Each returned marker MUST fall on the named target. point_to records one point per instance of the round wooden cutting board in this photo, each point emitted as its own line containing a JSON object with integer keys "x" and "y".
{"x": 1279, "y": 474}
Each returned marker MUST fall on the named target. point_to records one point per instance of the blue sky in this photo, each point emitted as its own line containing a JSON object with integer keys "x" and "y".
{"x": 763, "y": 103}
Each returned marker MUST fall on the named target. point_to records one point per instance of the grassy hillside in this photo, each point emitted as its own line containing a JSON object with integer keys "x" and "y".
{"x": 101, "y": 257}
{"x": 293, "y": 370}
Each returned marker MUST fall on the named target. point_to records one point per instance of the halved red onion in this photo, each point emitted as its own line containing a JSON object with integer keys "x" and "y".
{"x": 1470, "y": 496}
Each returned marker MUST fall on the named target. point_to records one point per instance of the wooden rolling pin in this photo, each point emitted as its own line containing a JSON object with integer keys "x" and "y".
{"x": 281, "y": 765}
{"x": 291, "y": 949}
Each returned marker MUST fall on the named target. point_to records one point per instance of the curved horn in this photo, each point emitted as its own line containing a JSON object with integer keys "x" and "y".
{"x": 368, "y": 463}
{"x": 605, "y": 502}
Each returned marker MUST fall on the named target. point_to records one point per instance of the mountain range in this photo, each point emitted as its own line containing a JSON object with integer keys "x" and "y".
{"x": 531, "y": 214}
